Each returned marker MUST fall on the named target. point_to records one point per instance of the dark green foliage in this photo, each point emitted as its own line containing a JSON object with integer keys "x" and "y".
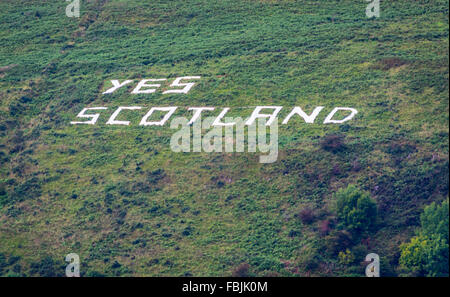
{"x": 307, "y": 215}
{"x": 2, "y": 262}
{"x": 425, "y": 256}
{"x": 47, "y": 267}
{"x": 356, "y": 211}
{"x": 333, "y": 143}
{"x": 338, "y": 241}
{"x": 29, "y": 189}
{"x": 427, "y": 253}
{"x": 434, "y": 220}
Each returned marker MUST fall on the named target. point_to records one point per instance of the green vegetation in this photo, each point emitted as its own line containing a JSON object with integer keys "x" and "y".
{"x": 129, "y": 206}
{"x": 427, "y": 253}
{"x": 356, "y": 211}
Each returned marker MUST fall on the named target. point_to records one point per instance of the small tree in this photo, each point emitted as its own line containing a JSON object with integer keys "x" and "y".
{"x": 434, "y": 220}
{"x": 427, "y": 253}
{"x": 425, "y": 256}
{"x": 356, "y": 211}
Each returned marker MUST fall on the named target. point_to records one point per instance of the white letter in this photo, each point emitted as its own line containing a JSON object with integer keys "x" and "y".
{"x": 336, "y": 109}
{"x": 93, "y": 116}
{"x": 116, "y": 85}
{"x": 300, "y": 112}
{"x": 143, "y": 83}
{"x": 73, "y": 268}
{"x": 197, "y": 112}
{"x": 187, "y": 86}
{"x": 170, "y": 111}
{"x": 112, "y": 119}
{"x": 217, "y": 121}
{"x": 256, "y": 114}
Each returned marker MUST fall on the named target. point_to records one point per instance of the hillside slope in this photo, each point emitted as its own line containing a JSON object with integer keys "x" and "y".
{"x": 128, "y": 205}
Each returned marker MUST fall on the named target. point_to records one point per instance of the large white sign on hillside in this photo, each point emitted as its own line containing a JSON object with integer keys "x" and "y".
{"x": 211, "y": 142}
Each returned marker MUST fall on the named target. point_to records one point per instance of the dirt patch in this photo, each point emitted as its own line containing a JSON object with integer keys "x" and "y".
{"x": 6, "y": 68}
{"x": 390, "y": 63}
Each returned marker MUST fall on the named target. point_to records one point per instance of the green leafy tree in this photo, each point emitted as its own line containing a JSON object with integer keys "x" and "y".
{"x": 425, "y": 256}
{"x": 434, "y": 220}
{"x": 356, "y": 211}
{"x": 427, "y": 253}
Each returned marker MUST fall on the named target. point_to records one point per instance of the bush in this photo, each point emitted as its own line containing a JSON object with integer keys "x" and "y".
{"x": 338, "y": 241}
{"x": 356, "y": 211}
{"x": 48, "y": 267}
{"x": 241, "y": 270}
{"x": 434, "y": 220}
{"x": 425, "y": 256}
{"x": 427, "y": 253}
{"x": 333, "y": 143}
{"x": 346, "y": 257}
{"x": 307, "y": 215}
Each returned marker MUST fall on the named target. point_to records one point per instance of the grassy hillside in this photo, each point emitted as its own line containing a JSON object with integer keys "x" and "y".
{"x": 128, "y": 205}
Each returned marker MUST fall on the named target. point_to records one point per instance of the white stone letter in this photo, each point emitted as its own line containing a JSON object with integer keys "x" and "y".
{"x": 217, "y": 121}
{"x": 143, "y": 84}
{"x": 93, "y": 116}
{"x": 116, "y": 85}
{"x": 308, "y": 118}
{"x": 112, "y": 119}
{"x": 328, "y": 119}
{"x": 197, "y": 112}
{"x": 170, "y": 111}
{"x": 187, "y": 86}
{"x": 271, "y": 117}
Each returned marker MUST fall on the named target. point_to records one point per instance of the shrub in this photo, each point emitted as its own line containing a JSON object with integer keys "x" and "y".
{"x": 294, "y": 233}
{"x": 48, "y": 267}
{"x": 241, "y": 270}
{"x": 356, "y": 211}
{"x": 434, "y": 220}
{"x": 425, "y": 256}
{"x": 307, "y": 215}
{"x": 333, "y": 143}
{"x": 427, "y": 253}
{"x": 30, "y": 189}
{"x": 338, "y": 241}
{"x": 346, "y": 257}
